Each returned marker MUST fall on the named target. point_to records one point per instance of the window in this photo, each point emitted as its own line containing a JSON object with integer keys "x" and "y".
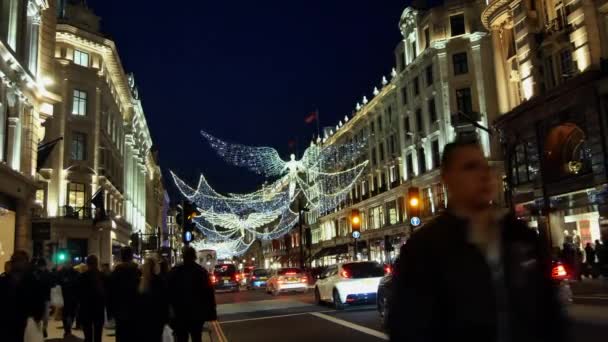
{"x": 566, "y": 63}
{"x": 79, "y": 146}
{"x": 435, "y": 153}
{"x": 524, "y": 163}
{"x": 410, "y": 165}
{"x": 414, "y": 50}
{"x": 392, "y": 174}
{"x": 419, "y": 124}
{"x": 376, "y": 217}
{"x": 393, "y": 216}
{"x": 432, "y": 110}
{"x": 457, "y": 25}
{"x": 407, "y": 127}
{"x": 3, "y": 131}
{"x": 429, "y": 75}
{"x": 463, "y": 100}
{"x": 389, "y": 114}
{"x": 81, "y": 58}
{"x": 550, "y": 74}
{"x": 461, "y": 65}
{"x": 79, "y": 104}
{"x": 380, "y": 123}
{"x": 416, "y": 86}
{"x": 427, "y": 38}
{"x": 40, "y": 196}
{"x": 381, "y": 148}
{"x": 9, "y": 18}
{"x": 76, "y": 195}
{"x": 374, "y": 161}
{"x": 392, "y": 145}
{"x": 404, "y": 95}
{"x": 421, "y": 161}
{"x": 372, "y": 128}
{"x": 363, "y": 188}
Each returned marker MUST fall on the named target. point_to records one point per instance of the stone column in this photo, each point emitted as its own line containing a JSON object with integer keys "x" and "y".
{"x": 501, "y": 76}
{"x": 476, "y": 41}
{"x": 14, "y": 138}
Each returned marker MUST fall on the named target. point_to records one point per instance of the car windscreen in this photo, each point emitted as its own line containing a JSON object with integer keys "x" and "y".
{"x": 364, "y": 270}
{"x": 227, "y": 270}
{"x": 289, "y": 271}
{"x": 260, "y": 273}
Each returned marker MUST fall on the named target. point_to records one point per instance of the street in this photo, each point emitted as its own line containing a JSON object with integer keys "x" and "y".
{"x": 255, "y": 316}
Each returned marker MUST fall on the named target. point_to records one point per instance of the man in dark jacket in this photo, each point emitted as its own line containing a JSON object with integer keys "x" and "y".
{"x": 191, "y": 297}
{"x": 44, "y": 277}
{"x": 21, "y": 297}
{"x": 123, "y": 296}
{"x": 68, "y": 280}
{"x": 474, "y": 274}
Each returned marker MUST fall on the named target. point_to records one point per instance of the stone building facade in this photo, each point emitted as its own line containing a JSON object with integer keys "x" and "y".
{"x": 26, "y": 102}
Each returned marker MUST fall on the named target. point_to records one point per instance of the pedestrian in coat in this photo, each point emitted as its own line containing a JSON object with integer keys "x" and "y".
{"x": 45, "y": 278}
{"x": 91, "y": 300}
{"x": 589, "y": 259}
{"x": 191, "y": 297}
{"x": 21, "y": 297}
{"x": 153, "y": 303}
{"x": 68, "y": 280}
{"x": 124, "y": 283}
{"x": 474, "y": 273}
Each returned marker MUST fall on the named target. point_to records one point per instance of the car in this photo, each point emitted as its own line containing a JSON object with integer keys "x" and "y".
{"x": 349, "y": 283}
{"x": 258, "y": 278}
{"x": 246, "y": 274}
{"x": 226, "y": 277}
{"x": 287, "y": 279}
{"x": 385, "y": 292}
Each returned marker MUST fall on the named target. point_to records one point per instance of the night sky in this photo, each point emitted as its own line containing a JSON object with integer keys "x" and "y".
{"x": 247, "y": 71}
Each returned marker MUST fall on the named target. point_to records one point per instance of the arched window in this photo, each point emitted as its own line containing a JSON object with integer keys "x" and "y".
{"x": 566, "y": 152}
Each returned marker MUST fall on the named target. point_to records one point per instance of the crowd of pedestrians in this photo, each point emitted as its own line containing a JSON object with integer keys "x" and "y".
{"x": 143, "y": 303}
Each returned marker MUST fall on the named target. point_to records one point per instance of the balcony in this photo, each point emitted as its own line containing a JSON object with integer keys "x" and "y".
{"x": 68, "y": 212}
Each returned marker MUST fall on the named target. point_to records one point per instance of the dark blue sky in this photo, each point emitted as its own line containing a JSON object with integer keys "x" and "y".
{"x": 247, "y": 71}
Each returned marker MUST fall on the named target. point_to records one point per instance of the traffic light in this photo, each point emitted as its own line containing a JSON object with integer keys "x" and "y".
{"x": 413, "y": 204}
{"x": 185, "y": 216}
{"x": 61, "y": 256}
{"x": 187, "y": 236}
{"x": 355, "y": 222}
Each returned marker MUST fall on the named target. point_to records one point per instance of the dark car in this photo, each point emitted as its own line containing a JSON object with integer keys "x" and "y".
{"x": 226, "y": 277}
{"x": 383, "y": 298}
{"x": 258, "y": 278}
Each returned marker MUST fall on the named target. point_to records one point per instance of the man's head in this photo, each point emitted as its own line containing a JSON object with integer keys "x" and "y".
{"x": 126, "y": 254}
{"x": 189, "y": 255}
{"x": 92, "y": 262}
{"x": 466, "y": 173}
{"x": 19, "y": 261}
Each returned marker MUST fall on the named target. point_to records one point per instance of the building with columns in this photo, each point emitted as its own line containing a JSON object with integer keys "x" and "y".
{"x": 106, "y": 145}
{"x": 440, "y": 79}
{"x": 550, "y": 58}
{"x": 26, "y": 102}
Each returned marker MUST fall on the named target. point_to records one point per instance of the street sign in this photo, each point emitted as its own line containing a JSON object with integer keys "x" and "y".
{"x": 356, "y": 234}
{"x": 415, "y": 221}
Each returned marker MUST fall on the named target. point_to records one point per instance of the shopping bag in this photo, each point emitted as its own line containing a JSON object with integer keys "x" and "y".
{"x": 167, "y": 334}
{"x": 33, "y": 331}
{"x": 56, "y": 297}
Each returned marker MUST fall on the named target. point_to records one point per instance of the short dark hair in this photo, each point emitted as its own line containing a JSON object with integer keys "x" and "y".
{"x": 126, "y": 254}
{"x": 189, "y": 254}
{"x": 92, "y": 261}
{"x": 450, "y": 148}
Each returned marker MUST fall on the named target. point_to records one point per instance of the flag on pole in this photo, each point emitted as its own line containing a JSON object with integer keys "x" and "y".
{"x": 44, "y": 152}
{"x": 312, "y": 117}
{"x": 99, "y": 201}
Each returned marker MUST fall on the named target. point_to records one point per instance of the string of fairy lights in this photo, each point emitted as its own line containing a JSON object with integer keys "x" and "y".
{"x": 323, "y": 177}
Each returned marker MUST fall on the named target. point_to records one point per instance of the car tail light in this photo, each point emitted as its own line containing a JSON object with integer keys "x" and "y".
{"x": 290, "y": 273}
{"x": 304, "y": 280}
{"x": 388, "y": 270}
{"x": 345, "y": 274}
{"x": 253, "y": 277}
{"x": 237, "y": 277}
{"x": 559, "y": 272}
{"x": 213, "y": 279}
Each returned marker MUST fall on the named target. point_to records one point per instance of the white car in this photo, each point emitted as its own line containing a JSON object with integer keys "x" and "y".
{"x": 349, "y": 283}
{"x": 287, "y": 280}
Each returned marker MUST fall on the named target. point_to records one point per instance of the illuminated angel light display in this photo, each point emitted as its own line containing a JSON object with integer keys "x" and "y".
{"x": 323, "y": 177}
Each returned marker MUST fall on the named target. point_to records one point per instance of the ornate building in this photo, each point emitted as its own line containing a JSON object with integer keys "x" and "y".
{"x": 437, "y": 90}
{"x": 26, "y": 102}
{"x": 106, "y": 146}
{"x": 550, "y": 76}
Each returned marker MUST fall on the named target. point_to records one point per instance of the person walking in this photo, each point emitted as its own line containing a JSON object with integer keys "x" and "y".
{"x": 21, "y": 298}
{"x": 68, "y": 280}
{"x": 590, "y": 260}
{"x": 124, "y": 282}
{"x": 191, "y": 297}
{"x": 45, "y": 278}
{"x": 91, "y": 300}
{"x": 474, "y": 273}
{"x": 153, "y": 303}
{"x": 106, "y": 273}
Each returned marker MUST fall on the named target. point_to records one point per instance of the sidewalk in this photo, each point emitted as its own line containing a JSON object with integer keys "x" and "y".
{"x": 55, "y": 331}
{"x": 590, "y": 287}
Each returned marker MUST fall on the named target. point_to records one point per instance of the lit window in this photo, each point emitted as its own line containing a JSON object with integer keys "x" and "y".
{"x": 79, "y": 103}
{"x": 76, "y": 197}
{"x": 40, "y": 196}
{"x": 81, "y": 58}
{"x": 79, "y": 146}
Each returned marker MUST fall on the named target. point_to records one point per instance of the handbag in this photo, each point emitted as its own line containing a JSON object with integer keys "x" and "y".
{"x": 33, "y": 331}
{"x": 167, "y": 334}
{"x": 56, "y": 297}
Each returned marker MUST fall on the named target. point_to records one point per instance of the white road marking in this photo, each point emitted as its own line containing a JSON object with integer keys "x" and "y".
{"x": 353, "y": 326}
{"x": 269, "y": 317}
